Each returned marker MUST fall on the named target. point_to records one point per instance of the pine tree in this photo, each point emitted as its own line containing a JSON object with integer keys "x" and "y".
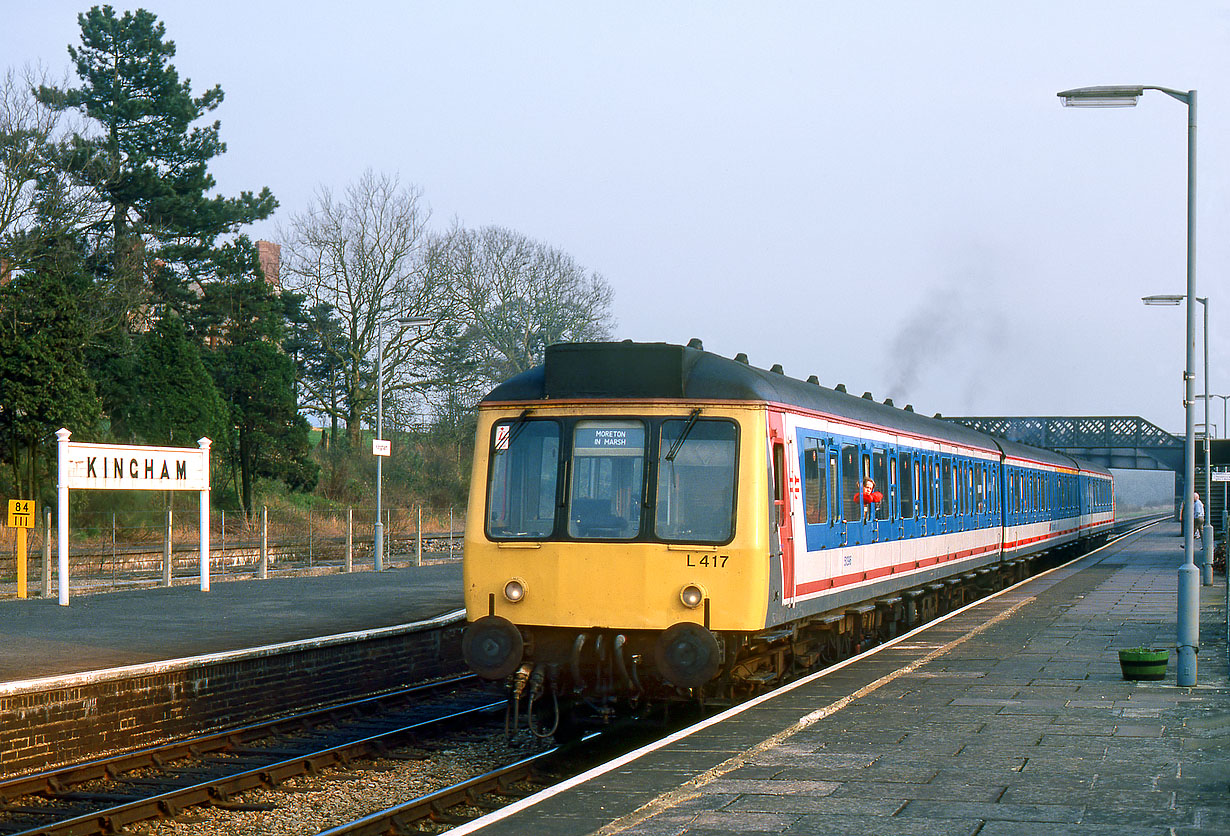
{"x": 149, "y": 161}
{"x": 175, "y": 401}
{"x": 44, "y": 385}
{"x": 240, "y": 317}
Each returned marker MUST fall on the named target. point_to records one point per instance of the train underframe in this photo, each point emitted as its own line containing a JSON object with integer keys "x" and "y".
{"x": 570, "y": 680}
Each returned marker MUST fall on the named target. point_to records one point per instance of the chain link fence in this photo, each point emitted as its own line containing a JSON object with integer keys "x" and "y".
{"x": 115, "y": 550}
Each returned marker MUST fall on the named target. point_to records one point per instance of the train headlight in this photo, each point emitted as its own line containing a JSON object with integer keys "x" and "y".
{"x": 691, "y": 596}
{"x": 514, "y": 590}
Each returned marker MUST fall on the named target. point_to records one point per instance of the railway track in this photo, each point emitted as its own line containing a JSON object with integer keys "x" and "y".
{"x": 103, "y": 796}
{"x": 465, "y": 801}
{"x": 449, "y": 806}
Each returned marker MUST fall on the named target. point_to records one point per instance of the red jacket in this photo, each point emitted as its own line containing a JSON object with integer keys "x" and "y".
{"x": 870, "y": 497}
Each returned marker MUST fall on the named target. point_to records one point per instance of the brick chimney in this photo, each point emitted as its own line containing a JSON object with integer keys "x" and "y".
{"x": 270, "y": 256}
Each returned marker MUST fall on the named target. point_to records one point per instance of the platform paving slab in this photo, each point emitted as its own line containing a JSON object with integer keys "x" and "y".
{"x": 128, "y": 627}
{"x": 1024, "y": 726}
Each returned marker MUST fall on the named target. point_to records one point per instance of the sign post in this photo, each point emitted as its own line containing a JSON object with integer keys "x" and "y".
{"x": 21, "y": 517}
{"x": 127, "y": 467}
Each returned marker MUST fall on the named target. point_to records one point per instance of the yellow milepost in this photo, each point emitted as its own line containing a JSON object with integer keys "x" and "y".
{"x": 21, "y": 517}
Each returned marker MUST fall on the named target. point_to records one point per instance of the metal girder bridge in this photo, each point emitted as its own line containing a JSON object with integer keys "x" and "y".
{"x": 1124, "y": 442}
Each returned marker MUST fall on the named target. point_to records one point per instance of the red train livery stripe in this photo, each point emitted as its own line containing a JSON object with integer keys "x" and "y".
{"x": 825, "y": 584}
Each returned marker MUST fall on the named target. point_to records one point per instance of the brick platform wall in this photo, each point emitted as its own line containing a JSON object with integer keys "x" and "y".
{"x": 55, "y": 722}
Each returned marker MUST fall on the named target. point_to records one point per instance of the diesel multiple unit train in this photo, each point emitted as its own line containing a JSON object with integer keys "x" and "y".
{"x": 651, "y": 522}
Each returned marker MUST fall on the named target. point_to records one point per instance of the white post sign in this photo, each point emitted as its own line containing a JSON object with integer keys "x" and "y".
{"x": 116, "y": 467}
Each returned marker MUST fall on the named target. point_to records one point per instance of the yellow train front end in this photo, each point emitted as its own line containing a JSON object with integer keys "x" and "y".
{"x": 615, "y": 548}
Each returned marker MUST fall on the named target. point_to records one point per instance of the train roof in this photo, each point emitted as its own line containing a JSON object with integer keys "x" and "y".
{"x": 664, "y": 371}
{"x": 625, "y": 370}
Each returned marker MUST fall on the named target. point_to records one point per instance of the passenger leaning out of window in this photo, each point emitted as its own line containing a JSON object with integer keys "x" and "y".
{"x": 870, "y": 497}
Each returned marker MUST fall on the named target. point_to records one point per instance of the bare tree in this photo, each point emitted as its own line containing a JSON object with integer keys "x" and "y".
{"x": 513, "y": 296}
{"x": 33, "y": 158}
{"x": 362, "y": 254}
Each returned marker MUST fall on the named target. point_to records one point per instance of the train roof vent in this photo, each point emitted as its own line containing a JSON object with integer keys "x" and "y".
{"x": 741, "y": 358}
{"x": 888, "y": 402}
{"x": 840, "y": 387}
{"x": 937, "y": 415}
{"x": 696, "y": 344}
{"x": 867, "y": 396}
{"x": 813, "y": 379}
{"x": 777, "y": 369}
{"x": 909, "y": 407}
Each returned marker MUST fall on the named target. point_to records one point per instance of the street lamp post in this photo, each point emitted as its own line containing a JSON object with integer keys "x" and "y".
{"x": 378, "y": 528}
{"x": 1224, "y": 398}
{"x": 1187, "y": 629}
{"x": 1206, "y": 533}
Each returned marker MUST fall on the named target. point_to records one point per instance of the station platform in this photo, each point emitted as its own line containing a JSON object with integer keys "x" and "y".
{"x": 107, "y": 630}
{"x": 1007, "y": 717}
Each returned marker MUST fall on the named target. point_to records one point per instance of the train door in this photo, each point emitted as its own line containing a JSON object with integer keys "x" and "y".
{"x": 880, "y": 514}
{"x": 856, "y": 530}
{"x": 784, "y": 489}
{"x": 960, "y": 503}
{"x": 908, "y": 499}
{"x": 821, "y": 500}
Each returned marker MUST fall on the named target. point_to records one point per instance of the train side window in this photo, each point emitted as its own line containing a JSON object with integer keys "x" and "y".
{"x": 779, "y": 481}
{"x": 946, "y": 485}
{"x": 933, "y": 502}
{"x": 980, "y": 487}
{"x": 879, "y": 472}
{"x": 907, "y": 485}
{"x": 894, "y": 483}
{"x": 815, "y": 503}
{"x": 851, "y": 484}
{"x": 834, "y": 489}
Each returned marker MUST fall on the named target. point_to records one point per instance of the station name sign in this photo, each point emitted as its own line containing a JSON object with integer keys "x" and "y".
{"x": 124, "y": 467}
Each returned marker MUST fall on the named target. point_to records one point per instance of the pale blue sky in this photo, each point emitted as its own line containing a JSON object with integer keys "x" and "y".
{"x": 885, "y": 194}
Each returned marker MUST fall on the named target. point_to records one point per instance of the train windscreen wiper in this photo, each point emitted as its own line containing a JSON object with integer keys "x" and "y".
{"x": 683, "y": 436}
{"x": 517, "y": 426}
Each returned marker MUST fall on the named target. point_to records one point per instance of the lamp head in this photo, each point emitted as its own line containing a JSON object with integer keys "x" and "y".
{"x": 1164, "y": 299}
{"x": 1113, "y": 96}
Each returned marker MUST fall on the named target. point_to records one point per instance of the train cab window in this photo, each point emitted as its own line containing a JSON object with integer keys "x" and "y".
{"x": 879, "y": 472}
{"x": 522, "y": 479}
{"x": 851, "y": 484}
{"x": 608, "y": 476}
{"x": 815, "y": 501}
{"x": 907, "y": 485}
{"x": 696, "y": 486}
{"x": 946, "y": 486}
